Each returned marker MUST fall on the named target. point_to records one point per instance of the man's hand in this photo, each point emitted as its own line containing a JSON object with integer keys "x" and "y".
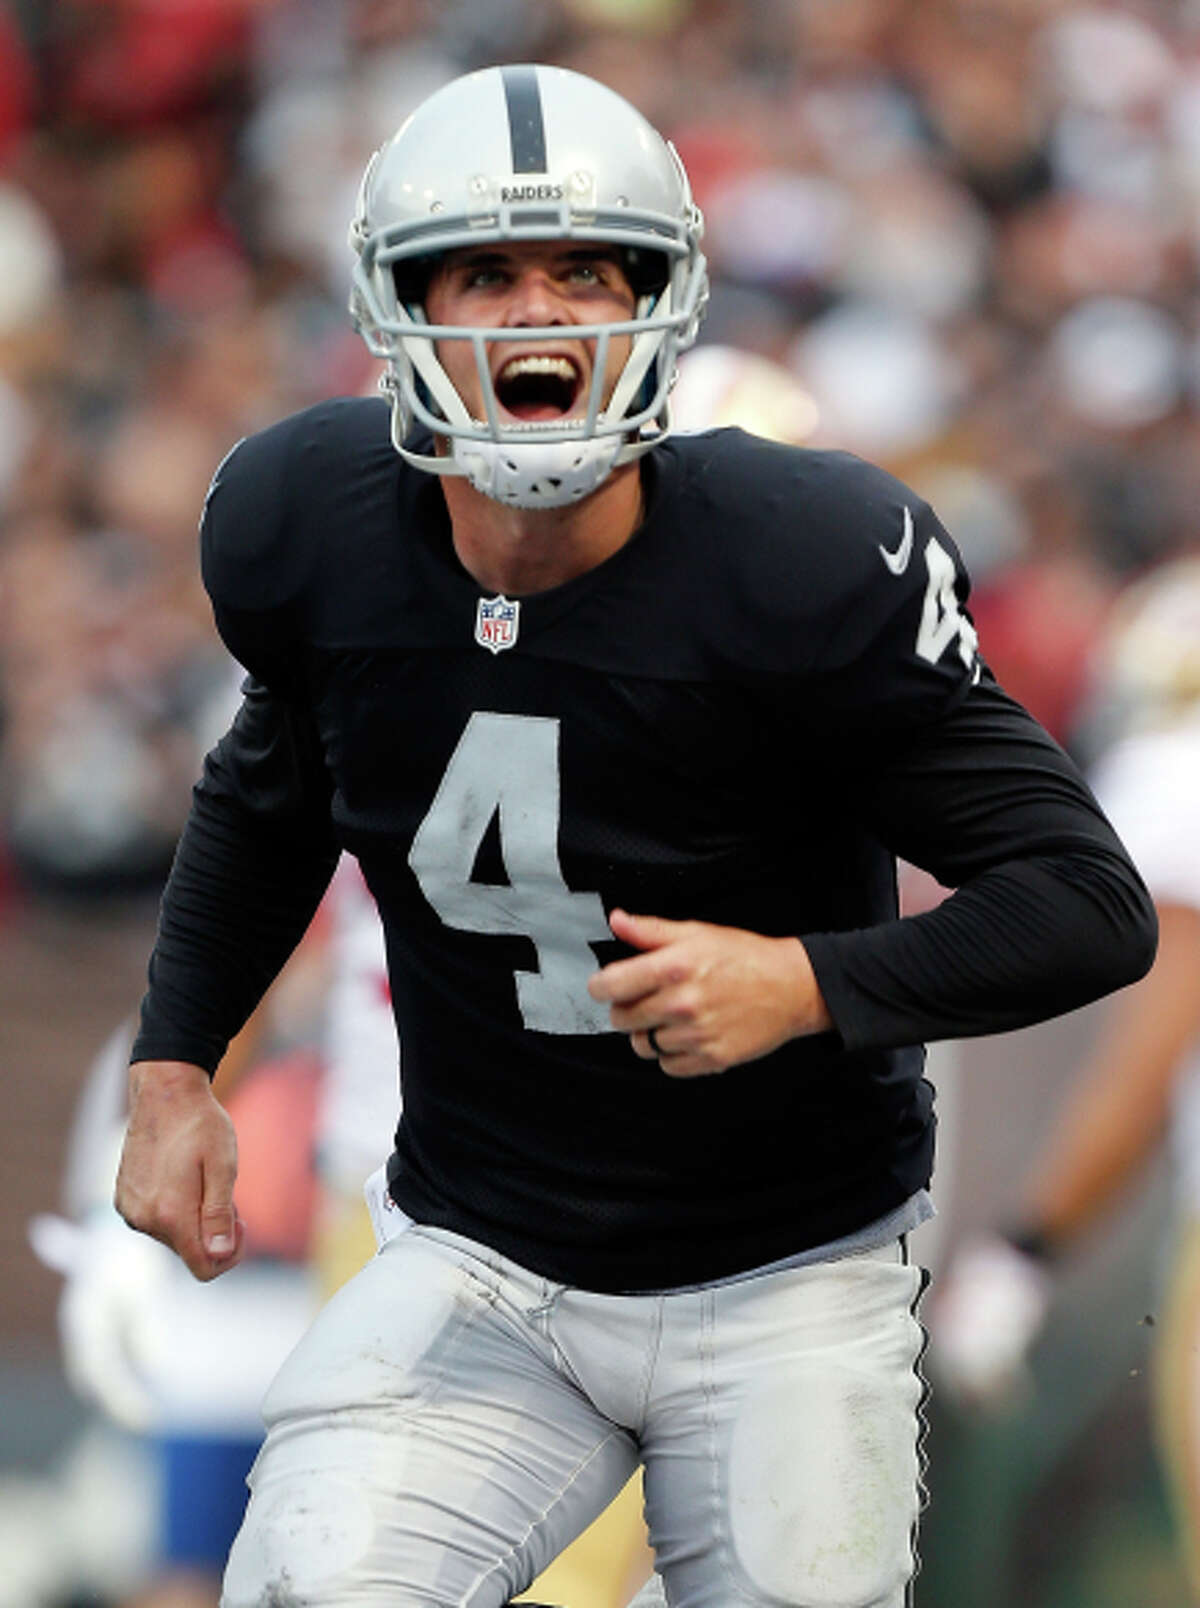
{"x": 712, "y": 997}
{"x": 988, "y": 1309}
{"x": 115, "y": 1284}
{"x": 178, "y": 1166}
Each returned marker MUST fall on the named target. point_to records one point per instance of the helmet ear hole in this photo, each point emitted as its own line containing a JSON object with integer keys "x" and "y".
{"x": 646, "y": 271}
{"x": 411, "y": 278}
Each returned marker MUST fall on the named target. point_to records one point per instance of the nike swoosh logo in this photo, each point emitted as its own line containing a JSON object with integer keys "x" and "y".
{"x": 897, "y": 562}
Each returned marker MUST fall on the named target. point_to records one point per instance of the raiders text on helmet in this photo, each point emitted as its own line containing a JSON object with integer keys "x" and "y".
{"x": 523, "y": 154}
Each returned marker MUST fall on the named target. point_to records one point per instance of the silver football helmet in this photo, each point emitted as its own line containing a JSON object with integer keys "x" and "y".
{"x": 517, "y": 154}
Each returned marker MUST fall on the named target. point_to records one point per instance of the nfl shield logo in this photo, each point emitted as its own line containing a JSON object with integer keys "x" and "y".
{"x": 496, "y": 622}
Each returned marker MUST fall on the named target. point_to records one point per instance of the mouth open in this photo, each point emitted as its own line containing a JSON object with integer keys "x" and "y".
{"x": 537, "y": 389}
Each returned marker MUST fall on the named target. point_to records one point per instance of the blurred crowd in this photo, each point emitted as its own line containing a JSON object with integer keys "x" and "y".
{"x": 970, "y": 227}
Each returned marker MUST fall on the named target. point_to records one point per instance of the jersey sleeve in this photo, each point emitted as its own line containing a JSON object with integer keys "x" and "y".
{"x": 886, "y": 697}
{"x": 258, "y": 847}
{"x": 1048, "y": 910}
{"x": 254, "y": 556}
{"x": 843, "y": 595}
{"x": 255, "y": 857}
{"x": 893, "y": 645}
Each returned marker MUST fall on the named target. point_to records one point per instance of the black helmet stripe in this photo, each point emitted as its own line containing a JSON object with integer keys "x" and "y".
{"x": 527, "y": 131}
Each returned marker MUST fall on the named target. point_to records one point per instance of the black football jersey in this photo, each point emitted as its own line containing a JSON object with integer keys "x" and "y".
{"x": 741, "y": 717}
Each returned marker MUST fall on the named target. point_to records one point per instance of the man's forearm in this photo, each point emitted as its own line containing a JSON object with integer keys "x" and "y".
{"x": 238, "y": 901}
{"x": 1022, "y": 943}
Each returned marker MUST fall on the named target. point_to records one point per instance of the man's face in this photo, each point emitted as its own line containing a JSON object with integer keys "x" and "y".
{"x": 532, "y": 284}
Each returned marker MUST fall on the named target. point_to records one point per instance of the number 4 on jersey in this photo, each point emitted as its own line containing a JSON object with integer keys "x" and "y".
{"x": 509, "y": 764}
{"x": 941, "y": 619}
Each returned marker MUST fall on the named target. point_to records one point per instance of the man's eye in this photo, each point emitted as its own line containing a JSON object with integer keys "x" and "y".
{"x": 587, "y": 273}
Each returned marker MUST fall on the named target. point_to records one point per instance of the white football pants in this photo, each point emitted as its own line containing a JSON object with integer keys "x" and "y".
{"x": 451, "y": 1421}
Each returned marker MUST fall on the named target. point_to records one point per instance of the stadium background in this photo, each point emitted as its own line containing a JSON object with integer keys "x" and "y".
{"x": 970, "y": 227}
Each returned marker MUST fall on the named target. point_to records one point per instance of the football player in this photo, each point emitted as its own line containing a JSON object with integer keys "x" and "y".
{"x": 1139, "y": 1087}
{"x": 626, "y": 731}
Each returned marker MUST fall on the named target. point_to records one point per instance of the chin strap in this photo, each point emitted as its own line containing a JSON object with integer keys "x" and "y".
{"x": 537, "y": 474}
{"x": 645, "y": 348}
{"x": 419, "y": 351}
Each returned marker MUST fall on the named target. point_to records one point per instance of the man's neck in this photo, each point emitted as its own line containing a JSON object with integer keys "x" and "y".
{"x": 518, "y": 551}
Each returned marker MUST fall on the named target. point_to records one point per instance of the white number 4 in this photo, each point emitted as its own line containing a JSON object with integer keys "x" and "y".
{"x": 941, "y": 619}
{"x": 509, "y": 764}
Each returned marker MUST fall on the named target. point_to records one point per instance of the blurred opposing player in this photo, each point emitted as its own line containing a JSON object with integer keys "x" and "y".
{"x": 183, "y": 1366}
{"x": 1140, "y": 1087}
{"x": 721, "y": 386}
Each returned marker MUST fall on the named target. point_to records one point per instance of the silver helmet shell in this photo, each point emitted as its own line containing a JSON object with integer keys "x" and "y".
{"x": 518, "y": 154}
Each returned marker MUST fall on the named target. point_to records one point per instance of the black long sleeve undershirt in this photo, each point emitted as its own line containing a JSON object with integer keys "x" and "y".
{"x": 1048, "y": 913}
{"x": 252, "y": 865}
{"x": 991, "y": 958}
